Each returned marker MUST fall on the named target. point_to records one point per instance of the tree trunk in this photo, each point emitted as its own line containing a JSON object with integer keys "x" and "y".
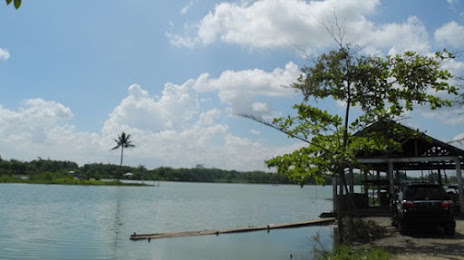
{"x": 122, "y": 155}
{"x": 120, "y": 164}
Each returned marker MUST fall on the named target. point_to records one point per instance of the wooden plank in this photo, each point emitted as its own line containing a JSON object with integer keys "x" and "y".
{"x": 315, "y": 222}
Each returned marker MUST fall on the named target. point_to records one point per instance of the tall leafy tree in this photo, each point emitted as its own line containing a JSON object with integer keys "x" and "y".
{"x": 381, "y": 88}
{"x": 123, "y": 141}
{"x": 16, "y": 3}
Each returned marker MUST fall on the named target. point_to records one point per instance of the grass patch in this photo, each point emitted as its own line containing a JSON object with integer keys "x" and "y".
{"x": 356, "y": 231}
{"x": 350, "y": 253}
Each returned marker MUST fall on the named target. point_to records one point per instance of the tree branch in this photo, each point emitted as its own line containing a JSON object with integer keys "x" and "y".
{"x": 266, "y": 123}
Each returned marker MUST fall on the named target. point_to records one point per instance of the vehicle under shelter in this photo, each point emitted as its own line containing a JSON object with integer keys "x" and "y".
{"x": 419, "y": 158}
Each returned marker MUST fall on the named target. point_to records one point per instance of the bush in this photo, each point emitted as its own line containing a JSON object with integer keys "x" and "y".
{"x": 360, "y": 230}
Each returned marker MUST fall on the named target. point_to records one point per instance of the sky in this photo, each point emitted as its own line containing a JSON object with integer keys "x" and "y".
{"x": 175, "y": 74}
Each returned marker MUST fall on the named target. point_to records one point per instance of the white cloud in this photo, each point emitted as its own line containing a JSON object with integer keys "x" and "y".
{"x": 176, "y": 130}
{"x": 449, "y": 117}
{"x": 180, "y": 41}
{"x": 185, "y": 126}
{"x": 40, "y": 128}
{"x": 186, "y": 8}
{"x": 205, "y": 141}
{"x": 177, "y": 105}
{"x": 282, "y": 23}
{"x": 35, "y": 114}
{"x": 209, "y": 117}
{"x": 458, "y": 141}
{"x": 400, "y": 37}
{"x": 4, "y": 54}
{"x": 450, "y": 34}
{"x": 239, "y": 89}
{"x": 260, "y": 107}
{"x": 275, "y": 23}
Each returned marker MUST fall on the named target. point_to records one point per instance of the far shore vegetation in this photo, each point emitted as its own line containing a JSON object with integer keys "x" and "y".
{"x": 47, "y": 171}
{"x": 62, "y": 179}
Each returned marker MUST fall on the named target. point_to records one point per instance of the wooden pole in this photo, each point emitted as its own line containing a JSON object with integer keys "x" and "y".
{"x": 391, "y": 178}
{"x": 457, "y": 162}
{"x": 315, "y": 222}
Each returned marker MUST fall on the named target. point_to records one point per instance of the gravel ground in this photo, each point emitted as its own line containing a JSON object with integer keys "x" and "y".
{"x": 422, "y": 243}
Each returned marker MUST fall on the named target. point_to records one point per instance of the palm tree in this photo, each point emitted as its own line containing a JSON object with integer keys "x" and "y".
{"x": 123, "y": 141}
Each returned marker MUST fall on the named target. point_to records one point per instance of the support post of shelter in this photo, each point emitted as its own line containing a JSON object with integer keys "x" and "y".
{"x": 391, "y": 178}
{"x": 351, "y": 176}
{"x": 457, "y": 162}
{"x": 366, "y": 186}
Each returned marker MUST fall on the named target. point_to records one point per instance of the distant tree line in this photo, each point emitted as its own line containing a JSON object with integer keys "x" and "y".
{"x": 52, "y": 169}
{"x": 47, "y": 167}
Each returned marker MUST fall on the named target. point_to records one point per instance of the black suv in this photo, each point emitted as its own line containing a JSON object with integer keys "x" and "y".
{"x": 423, "y": 203}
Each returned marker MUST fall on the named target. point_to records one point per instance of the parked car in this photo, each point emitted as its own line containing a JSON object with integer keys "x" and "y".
{"x": 423, "y": 204}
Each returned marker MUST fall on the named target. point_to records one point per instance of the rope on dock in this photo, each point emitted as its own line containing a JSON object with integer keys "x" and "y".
{"x": 315, "y": 222}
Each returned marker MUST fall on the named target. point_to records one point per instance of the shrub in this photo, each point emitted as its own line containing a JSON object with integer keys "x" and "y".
{"x": 360, "y": 230}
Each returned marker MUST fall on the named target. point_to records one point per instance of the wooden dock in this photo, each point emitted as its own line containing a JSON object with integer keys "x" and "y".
{"x": 316, "y": 222}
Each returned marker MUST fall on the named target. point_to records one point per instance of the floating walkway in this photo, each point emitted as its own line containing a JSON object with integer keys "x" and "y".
{"x": 316, "y": 222}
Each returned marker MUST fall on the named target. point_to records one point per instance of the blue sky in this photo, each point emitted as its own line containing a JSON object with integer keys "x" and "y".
{"x": 174, "y": 74}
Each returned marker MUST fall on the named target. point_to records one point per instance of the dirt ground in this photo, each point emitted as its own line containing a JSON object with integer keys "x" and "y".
{"x": 423, "y": 243}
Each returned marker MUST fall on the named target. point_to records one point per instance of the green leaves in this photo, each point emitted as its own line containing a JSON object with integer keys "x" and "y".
{"x": 393, "y": 84}
{"x": 17, "y": 3}
{"x": 382, "y": 88}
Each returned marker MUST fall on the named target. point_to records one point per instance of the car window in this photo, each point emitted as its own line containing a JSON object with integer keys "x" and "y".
{"x": 424, "y": 190}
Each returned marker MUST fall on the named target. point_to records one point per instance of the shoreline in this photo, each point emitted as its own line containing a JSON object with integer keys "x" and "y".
{"x": 74, "y": 182}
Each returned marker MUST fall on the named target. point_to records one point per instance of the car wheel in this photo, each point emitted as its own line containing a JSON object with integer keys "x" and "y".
{"x": 450, "y": 229}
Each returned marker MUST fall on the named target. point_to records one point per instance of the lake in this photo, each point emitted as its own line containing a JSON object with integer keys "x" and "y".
{"x": 95, "y": 222}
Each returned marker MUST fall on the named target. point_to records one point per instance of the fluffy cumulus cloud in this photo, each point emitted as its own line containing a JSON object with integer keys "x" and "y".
{"x": 283, "y": 23}
{"x": 4, "y": 54}
{"x": 399, "y": 37}
{"x": 40, "y": 128}
{"x": 239, "y": 89}
{"x": 178, "y": 128}
{"x": 212, "y": 145}
{"x": 177, "y": 105}
{"x": 34, "y": 114}
{"x": 274, "y": 23}
{"x": 34, "y": 130}
{"x": 450, "y": 34}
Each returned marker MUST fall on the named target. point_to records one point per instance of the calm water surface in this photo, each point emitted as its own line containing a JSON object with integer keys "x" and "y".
{"x": 88, "y": 222}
